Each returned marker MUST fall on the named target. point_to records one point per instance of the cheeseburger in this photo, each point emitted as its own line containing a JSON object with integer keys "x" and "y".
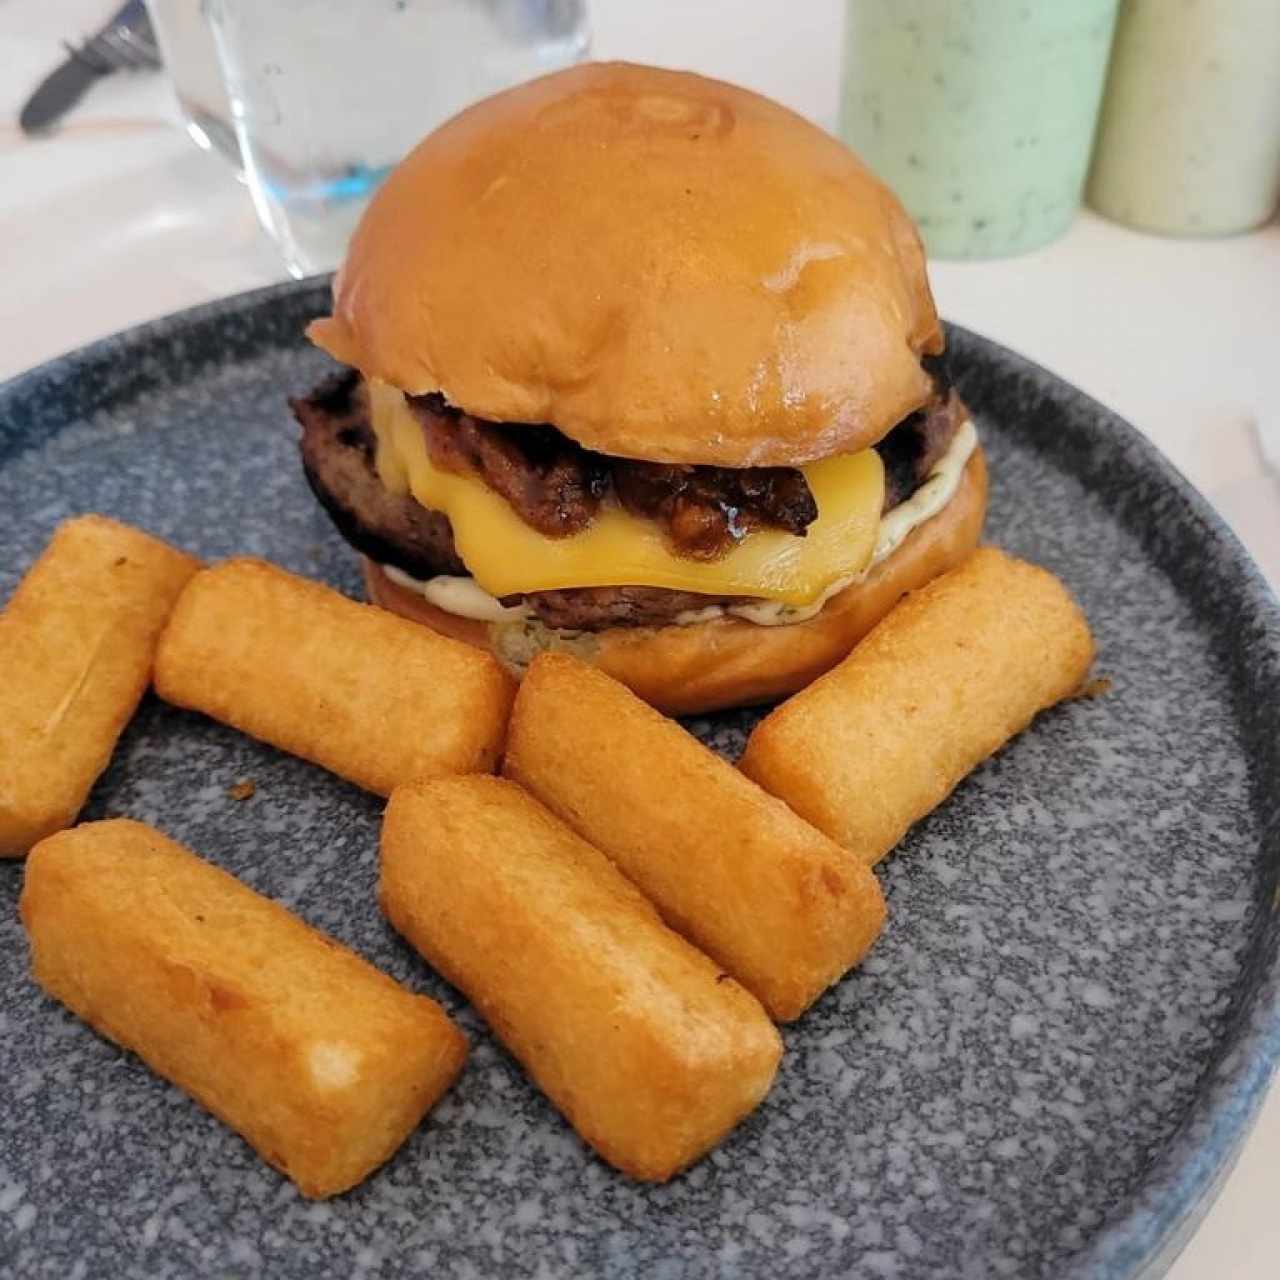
{"x": 644, "y": 367}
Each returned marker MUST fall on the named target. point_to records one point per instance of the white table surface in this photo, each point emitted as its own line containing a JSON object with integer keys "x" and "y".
{"x": 118, "y": 219}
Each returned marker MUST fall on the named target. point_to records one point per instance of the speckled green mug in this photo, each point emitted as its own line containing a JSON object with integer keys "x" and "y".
{"x": 979, "y": 113}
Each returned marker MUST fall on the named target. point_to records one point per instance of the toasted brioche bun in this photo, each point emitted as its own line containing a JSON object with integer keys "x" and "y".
{"x": 728, "y": 661}
{"x": 661, "y": 266}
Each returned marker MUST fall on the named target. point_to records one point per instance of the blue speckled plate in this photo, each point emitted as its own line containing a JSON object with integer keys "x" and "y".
{"x": 1043, "y": 1069}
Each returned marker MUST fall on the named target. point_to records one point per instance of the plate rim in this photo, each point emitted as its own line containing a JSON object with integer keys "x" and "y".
{"x": 1148, "y": 1230}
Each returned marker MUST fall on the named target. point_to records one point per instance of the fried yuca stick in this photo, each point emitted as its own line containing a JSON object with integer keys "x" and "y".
{"x": 368, "y": 695}
{"x": 322, "y": 1063}
{"x": 76, "y": 647}
{"x": 650, "y": 1051}
{"x": 783, "y": 908}
{"x": 945, "y": 680}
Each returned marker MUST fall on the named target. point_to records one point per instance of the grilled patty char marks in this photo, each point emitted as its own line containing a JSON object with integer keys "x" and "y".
{"x": 338, "y": 449}
{"x": 916, "y": 445}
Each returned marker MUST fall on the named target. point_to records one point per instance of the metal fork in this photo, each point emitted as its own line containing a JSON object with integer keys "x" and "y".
{"x": 127, "y": 42}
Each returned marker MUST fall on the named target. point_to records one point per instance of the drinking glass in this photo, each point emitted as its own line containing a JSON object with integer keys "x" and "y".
{"x": 328, "y": 95}
{"x": 191, "y": 63}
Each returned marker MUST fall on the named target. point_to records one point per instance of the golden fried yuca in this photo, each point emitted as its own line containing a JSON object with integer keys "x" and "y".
{"x": 345, "y": 685}
{"x": 651, "y": 1052}
{"x": 76, "y": 647}
{"x": 322, "y": 1063}
{"x": 945, "y": 680}
{"x": 783, "y": 908}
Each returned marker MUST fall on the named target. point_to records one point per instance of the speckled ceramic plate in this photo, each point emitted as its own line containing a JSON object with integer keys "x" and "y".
{"x": 1043, "y": 1069}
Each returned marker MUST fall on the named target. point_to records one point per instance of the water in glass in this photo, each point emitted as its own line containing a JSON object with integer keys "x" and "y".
{"x": 328, "y": 95}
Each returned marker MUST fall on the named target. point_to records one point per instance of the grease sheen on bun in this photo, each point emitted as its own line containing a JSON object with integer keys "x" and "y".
{"x": 661, "y": 266}
{"x": 730, "y": 662}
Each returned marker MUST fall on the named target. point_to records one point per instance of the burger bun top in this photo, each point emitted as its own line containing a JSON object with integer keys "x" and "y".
{"x": 662, "y": 266}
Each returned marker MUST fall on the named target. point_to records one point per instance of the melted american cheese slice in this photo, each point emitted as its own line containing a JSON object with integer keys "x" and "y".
{"x": 507, "y": 557}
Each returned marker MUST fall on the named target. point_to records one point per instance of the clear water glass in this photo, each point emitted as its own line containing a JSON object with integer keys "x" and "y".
{"x": 328, "y": 95}
{"x": 191, "y": 62}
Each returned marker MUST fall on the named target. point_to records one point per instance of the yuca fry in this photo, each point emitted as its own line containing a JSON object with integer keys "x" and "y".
{"x": 370, "y": 696}
{"x": 76, "y": 647}
{"x": 322, "y": 1063}
{"x": 650, "y": 1051}
{"x": 945, "y": 680}
{"x": 779, "y": 905}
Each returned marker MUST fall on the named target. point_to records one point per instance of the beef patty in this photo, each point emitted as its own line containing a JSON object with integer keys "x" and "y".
{"x": 338, "y": 448}
{"x": 556, "y": 486}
